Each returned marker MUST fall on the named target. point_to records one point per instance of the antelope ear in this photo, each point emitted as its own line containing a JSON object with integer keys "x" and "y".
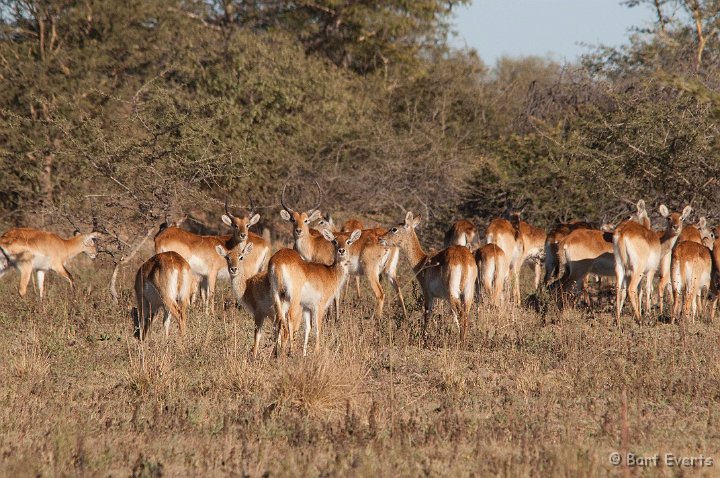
{"x": 328, "y": 235}
{"x": 641, "y": 206}
{"x": 416, "y": 221}
{"x": 408, "y": 218}
{"x": 285, "y": 215}
{"x": 253, "y": 220}
{"x": 702, "y": 222}
{"x": 354, "y": 236}
{"x": 664, "y": 210}
{"x": 226, "y": 219}
{"x": 686, "y": 212}
{"x": 221, "y": 250}
{"x": 248, "y": 248}
{"x": 315, "y": 215}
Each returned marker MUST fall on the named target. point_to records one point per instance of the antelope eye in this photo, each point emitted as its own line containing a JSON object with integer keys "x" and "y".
{"x": 394, "y": 230}
{"x": 306, "y": 221}
{"x": 334, "y": 242}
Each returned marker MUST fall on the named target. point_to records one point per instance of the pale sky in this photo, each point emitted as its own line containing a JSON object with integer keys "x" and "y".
{"x": 544, "y": 27}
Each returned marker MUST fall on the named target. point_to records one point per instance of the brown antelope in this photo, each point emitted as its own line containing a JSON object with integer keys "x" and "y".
{"x": 450, "y": 274}
{"x": 691, "y": 270}
{"x": 253, "y": 293}
{"x": 462, "y": 233}
{"x": 715, "y": 274}
{"x": 492, "y": 270}
{"x": 352, "y": 224}
{"x": 367, "y": 257}
{"x": 505, "y": 235}
{"x": 582, "y": 252}
{"x": 638, "y": 251}
{"x": 200, "y": 253}
{"x": 700, "y": 234}
{"x": 165, "y": 281}
{"x": 533, "y": 246}
{"x": 27, "y": 250}
{"x": 240, "y": 225}
{"x": 557, "y": 234}
{"x": 305, "y": 289}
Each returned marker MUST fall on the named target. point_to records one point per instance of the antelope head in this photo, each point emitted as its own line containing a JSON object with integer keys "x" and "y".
{"x": 300, "y": 220}
{"x": 241, "y": 224}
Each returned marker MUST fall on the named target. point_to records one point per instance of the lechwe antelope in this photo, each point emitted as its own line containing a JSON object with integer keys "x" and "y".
{"x": 367, "y": 257}
{"x": 700, "y": 234}
{"x": 29, "y": 250}
{"x": 638, "y": 251}
{"x": 462, "y": 233}
{"x": 691, "y": 269}
{"x": 492, "y": 270}
{"x": 552, "y": 244}
{"x": 533, "y": 246}
{"x": 302, "y": 288}
{"x": 200, "y": 253}
{"x": 165, "y": 281}
{"x": 505, "y": 235}
{"x": 583, "y": 252}
{"x": 253, "y": 293}
{"x": 449, "y": 274}
{"x": 254, "y": 262}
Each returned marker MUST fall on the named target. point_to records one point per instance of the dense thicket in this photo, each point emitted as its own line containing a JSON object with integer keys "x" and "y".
{"x": 127, "y": 111}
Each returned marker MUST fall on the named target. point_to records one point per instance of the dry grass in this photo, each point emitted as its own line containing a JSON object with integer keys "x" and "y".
{"x": 528, "y": 395}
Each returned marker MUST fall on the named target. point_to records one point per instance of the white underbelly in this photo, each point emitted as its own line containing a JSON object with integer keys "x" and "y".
{"x": 43, "y": 263}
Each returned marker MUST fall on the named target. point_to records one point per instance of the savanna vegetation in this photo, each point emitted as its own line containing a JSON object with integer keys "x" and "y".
{"x": 119, "y": 115}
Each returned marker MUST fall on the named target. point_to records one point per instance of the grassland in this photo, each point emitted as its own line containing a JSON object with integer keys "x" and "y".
{"x": 528, "y": 395}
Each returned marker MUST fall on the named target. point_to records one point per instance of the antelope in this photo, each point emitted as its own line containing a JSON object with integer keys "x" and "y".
{"x": 367, "y": 257}
{"x": 240, "y": 225}
{"x": 301, "y": 288}
{"x": 200, "y": 253}
{"x": 253, "y": 293}
{"x": 691, "y": 269}
{"x": 505, "y": 235}
{"x": 533, "y": 246}
{"x": 584, "y": 251}
{"x": 352, "y": 224}
{"x": 556, "y": 234}
{"x": 715, "y": 274}
{"x": 462, "y": 233}
{"x": 27, "y": 250}
{"x": 700, "y": 234}
{"x": 492, "y": 270}
{"x": 165, "y": 281}
{"x": 449, "y": 274}
{"x": 638, "y": 251}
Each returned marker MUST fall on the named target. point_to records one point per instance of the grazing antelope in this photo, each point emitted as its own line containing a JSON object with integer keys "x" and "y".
{"x": 700, "y": 234}
{"x": 557, "y": 234}
{"x": 200, "y": 253}
{"x": 240, "y": 225}
{"x": 165, "y": 281}
{"x": 301, "y": 288}
{"x": 505, "y": 235}
{"x": 27, "y": 250}
{"x": 638, "y": 251}
{"x": 462, "y": 233}
{"x": 253, "y": 293}
{"x": 691, "y": 269}
{"x": 582, "y": 252}
{"x": 449, "y": 274}
{"x": 533, "y": 246}
{"x": 492, "y": 270}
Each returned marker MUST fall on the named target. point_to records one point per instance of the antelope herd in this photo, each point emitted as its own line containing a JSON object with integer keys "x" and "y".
{"x": 297, "y": 286}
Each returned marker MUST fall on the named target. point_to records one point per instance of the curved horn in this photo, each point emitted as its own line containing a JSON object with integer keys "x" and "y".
{"x": 319, "y": 201}
{"x": 227, "y": 210}
{"x": 282, "y": 201}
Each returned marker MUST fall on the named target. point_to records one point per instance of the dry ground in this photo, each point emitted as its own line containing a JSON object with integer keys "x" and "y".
{"x": 528, "y": 395}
